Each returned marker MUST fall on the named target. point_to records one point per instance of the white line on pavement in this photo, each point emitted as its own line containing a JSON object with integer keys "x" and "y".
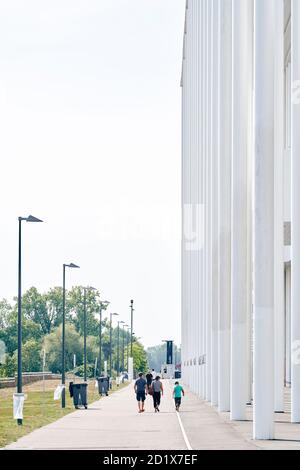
{"x": 187, "y": 443}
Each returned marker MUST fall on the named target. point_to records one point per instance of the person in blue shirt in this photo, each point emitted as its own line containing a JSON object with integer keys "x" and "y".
{"x": 178, "y": 392}
{"x": 140, "y": 390}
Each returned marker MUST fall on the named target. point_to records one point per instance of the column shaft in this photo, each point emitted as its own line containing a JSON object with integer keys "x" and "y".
{"x": 225, "y": 203}
{"x": 279, "y": 314}
{"x": 264, "y": 222}
{"x": 295, "y": 282}
{"x": 241, "y": 89}
{"x": 215, "y": 201}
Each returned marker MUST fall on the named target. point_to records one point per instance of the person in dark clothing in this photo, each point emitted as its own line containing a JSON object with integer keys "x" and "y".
{"x": 140, "y": 390}
{"x": 158, "y": 391}
{"x": 149, "y": 379}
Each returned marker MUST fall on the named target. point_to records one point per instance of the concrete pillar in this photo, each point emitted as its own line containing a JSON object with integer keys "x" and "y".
{"x": 215, "y": 200}
{"x": 194, "y": 184}
{"x": 241, "y": 88}
{"x": 279, "y": 314}
{"x": 201, "y": 191}
{"x": 224, "y": 274}
{"x": 199, "y": 199}
{"x": 183, "y": 260}
{"x": 208, "y": 203}
{"x": 295, "y": 283}
{"x": 264, "y": 221}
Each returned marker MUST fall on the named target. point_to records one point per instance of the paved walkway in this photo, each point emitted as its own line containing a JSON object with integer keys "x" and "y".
{"x": 114, "y": 423}
{"x": 287, "y": 434}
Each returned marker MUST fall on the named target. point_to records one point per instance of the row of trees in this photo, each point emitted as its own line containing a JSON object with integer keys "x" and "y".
{"x": 42, "y": 318}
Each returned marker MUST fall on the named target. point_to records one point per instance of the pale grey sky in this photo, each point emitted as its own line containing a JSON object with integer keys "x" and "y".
{"x": 90, "y": 142}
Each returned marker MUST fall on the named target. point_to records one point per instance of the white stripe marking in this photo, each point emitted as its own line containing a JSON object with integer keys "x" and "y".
{"x": 187, "y": 443}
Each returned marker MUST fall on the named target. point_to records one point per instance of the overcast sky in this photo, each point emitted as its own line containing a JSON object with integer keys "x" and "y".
{"x": 90, "y": 142}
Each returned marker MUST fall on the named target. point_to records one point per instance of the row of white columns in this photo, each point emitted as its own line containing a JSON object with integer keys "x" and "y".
{"x": 232, "y": 195}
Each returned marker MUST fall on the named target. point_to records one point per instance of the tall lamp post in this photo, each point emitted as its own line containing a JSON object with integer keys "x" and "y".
{"x": 30, "y": 218}
{"x": 118, "y": 350}
{"x": 102, "y": 306}
{"x": 127, "y": 346}
{"x": 63, "y": 368}
{"x": 110, "y": 343}
{"x": 85, "y": 289}
{"x": 131, "y": 323}
{"x": 123, "y": 346}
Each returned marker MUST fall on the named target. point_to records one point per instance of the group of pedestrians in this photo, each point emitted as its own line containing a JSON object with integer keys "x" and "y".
{"x": 152, "y": 385}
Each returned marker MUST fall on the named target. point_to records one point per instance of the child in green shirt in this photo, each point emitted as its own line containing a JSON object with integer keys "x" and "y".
{"x": 178, "y": 392}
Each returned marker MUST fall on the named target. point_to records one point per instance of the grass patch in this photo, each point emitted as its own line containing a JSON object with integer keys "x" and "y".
{"x": 39, "y": 409}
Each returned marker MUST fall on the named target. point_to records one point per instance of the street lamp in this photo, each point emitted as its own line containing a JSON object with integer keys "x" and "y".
{"x": 63, "y": 372}
{"x": 110, "y": 344}
{"x": 123, "y": 345}
{"x": 85, "y": 289}
{"x": 102, "y": 306}
{"x": 127, "y": 346}
{"x": 30, "y": 218}
{"x": 118, "y": 350}
{"x": 131, "y": 328}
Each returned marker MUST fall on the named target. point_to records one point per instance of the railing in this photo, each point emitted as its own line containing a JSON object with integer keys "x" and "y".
{"x": 27, "y": 377}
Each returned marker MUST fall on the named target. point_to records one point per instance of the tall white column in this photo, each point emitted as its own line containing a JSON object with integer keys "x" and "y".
{"x": 195, "y": 181}
{"x": 279, "y": 314}
{"x": 208, "y": 205}
{"x": 214, "y": 201}
{"x": 204, "y": 182}
{"x": 225, "y": 203}
{"x": 250, "y": 223}
{"x": 183, "y": 239}
{"x": 201, "y": 192}
{"x": 264, "y": 222}
{"x": 295, "y": 290}
{"x": 188, "y": 195}
{"x": 200, "y": 201}
{"x": 241, "y": 89}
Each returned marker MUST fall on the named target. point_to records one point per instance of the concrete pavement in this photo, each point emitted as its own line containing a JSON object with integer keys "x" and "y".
{"x": 111, "y": 423}
{"x": 114, "y": 423}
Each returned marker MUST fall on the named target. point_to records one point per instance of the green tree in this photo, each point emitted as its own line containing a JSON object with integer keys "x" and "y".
{"x": 34, "y": 308}
{"x": 54, "y": 302}
{"x": 9, "y": 368}
{"x": 53, "y": 347}
{"x": 31, "y": 356}
{"x": 76, "y": 302}
{"x": 140, "y": 360}
{"x": 30, "y": 330}
{"x": 5, "y": 313}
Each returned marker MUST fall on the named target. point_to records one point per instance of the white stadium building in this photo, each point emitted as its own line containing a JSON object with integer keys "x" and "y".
{"x": 241, "y": 207}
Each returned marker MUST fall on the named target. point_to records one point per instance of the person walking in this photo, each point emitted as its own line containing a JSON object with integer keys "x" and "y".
{"x": 157, "y": 392}
{"x": 149, "y": 379}
{"x": 178, "y": 392}
{"x": 140, "y": 391}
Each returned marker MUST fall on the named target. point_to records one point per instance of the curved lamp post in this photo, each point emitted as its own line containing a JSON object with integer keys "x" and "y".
{"x": 85, "y": 289}
{"x": 123, "y": 346}
{"x": 118, "y": 350}
{"x": 30, "y": 218}
{"x": 63, "y": 369}
{"x": 102, "y": 306}
{"x": 131, "y": 323}
{"x": 110, "y": 343}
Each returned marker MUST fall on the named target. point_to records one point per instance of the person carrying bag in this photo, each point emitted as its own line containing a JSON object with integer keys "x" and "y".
{"x": 157, "y": 392}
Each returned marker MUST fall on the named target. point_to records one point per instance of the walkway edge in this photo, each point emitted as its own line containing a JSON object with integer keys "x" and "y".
{"x": 187, "y": 443}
